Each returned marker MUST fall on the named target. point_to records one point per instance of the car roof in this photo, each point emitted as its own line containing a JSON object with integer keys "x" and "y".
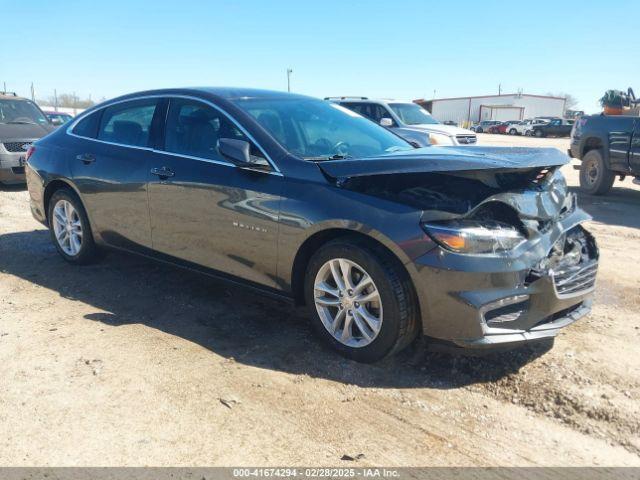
{"x": 10, "y": 96}
{"x": 228, "y": 93}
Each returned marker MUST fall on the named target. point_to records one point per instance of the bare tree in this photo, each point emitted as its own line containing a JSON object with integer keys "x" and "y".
{"x": 571, "y": 101}
{"x": 69, "y": 100}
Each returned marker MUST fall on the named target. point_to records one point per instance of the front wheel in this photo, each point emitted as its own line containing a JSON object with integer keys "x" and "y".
{"x": 361, "y": 301}
{"x": 595, "y": 177}
{"x": 513, "y": 131}
{"x": 69, "y": 228}
{"x": 539, "y": 133}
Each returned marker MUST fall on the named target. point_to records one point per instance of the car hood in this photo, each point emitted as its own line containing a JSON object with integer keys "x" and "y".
{"x": 23, "y": 131}
{"x": 446, "y": 159}
{"x": 440, "y": 128}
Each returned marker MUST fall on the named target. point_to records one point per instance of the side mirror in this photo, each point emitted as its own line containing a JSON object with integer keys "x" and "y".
{"x": 386, "y": 122}
{"x": 238, "y": 151}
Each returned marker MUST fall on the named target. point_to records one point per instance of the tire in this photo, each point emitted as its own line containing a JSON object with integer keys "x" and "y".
{"x": 87, "y": 252}
{"x": 538, "y": 133}
{"x": 479, "y": 130}
{"x": 595, "y": 177}
{"x": 397, "y": 308}
{"x": 513, "y": 131}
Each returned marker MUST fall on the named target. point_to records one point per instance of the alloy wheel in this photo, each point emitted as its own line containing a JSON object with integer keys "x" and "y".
{"x": 67, "y": 227}
{"x": 348, "y": 302}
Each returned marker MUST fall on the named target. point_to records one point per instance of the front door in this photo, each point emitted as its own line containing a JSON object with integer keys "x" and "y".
{"x": 111, "y": 171}
{"x": 206, "y": 210}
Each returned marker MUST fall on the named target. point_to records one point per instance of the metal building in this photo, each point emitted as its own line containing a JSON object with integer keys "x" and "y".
{"x": 512, "y": 106}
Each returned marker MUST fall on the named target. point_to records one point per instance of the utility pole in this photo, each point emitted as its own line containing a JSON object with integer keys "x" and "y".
{"x": 55, "y": 99}
{"x": 289, "y": 72}
{"x": 4, "y": 85}
{"x": 33, "y": 93}
{"x": 499, "y": 89}
{"x": 434, "y": 94}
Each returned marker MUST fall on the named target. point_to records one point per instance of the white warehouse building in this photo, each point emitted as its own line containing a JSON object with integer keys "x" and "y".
{"x": 515, "y": 106}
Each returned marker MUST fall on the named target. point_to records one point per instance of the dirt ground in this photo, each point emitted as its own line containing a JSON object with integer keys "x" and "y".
{"x": 128, "y": 362}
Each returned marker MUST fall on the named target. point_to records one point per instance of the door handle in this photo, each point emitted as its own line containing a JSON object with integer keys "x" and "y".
{"x": 86, "y": 158}
{"x": 163, "y": 172}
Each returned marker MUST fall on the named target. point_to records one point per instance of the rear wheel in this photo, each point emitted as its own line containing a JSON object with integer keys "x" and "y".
{"x": 538, "y": 133}
{"x": 69, "y": 228}
{"x": 595, "y": 177}
{"x": 513, "y": 131}
{"x": 362, "y": 303}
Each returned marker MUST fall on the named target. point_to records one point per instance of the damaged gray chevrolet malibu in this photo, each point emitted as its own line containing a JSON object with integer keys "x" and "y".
{"x": 303, "y": 199}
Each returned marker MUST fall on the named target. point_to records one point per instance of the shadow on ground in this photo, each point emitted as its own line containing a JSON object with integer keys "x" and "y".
{"x": 231, "y": 321}
{"x": 13, "y": 188}
{"x": 618, "y": 207}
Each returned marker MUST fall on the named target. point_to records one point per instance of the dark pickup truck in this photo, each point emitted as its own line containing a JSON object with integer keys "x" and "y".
{"x": 608, "y": 146}
{"x": 555, "y": 128}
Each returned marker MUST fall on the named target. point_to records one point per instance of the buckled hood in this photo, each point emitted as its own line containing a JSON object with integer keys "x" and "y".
{"x": 446, "y": 159}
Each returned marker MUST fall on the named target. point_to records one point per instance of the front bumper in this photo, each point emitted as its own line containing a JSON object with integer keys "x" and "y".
{"x": 12, "y": 167}
{"x": 476, "y": 302}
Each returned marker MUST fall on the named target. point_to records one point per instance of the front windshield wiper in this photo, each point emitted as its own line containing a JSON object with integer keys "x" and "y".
{"x": 333, "y": 157}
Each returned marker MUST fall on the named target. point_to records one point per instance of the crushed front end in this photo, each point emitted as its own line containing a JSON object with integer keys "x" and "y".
{"x": 500, "y": 256}
{"x": 521, "y": 290}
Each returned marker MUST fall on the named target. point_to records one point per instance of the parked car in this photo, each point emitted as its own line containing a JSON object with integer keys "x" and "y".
{"x": 608, "y": 146}
{"x": 308, "y": 201}
{"x": 407, "y": 119}
{"x": 484, "y": 125}
{"x": 58, "y": 118}
{"x": 521, "y": 128}
{"x": 503, "y": 128}
{"x": 21, "y": 123}
{"x": 555, "y": 128}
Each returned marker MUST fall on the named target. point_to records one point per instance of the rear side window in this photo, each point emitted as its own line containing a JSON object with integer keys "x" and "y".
{"x": 88, "y": 126}
{"x": 128, "y": 123}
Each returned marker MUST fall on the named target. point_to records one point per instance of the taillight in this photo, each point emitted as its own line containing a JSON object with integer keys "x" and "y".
{"x": 30, "y": 152}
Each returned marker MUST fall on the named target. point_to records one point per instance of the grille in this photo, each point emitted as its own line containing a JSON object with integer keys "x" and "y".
{"x": 575, "y": 280}
{"x": 16, "y": 147}
{"x": 466, "y": 139}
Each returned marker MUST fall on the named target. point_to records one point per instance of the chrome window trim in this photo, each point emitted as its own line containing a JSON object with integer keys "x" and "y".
{"x": 69, "y": 131}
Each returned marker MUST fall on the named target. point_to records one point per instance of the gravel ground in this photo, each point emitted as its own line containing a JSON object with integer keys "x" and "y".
{"x": 128, "y": 362}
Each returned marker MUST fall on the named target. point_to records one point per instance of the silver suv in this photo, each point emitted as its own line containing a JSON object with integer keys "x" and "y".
{"x": 21, "y": 123}
{"x": 409, "y": 120}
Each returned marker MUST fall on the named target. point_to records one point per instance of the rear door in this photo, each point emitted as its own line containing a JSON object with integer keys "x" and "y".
{"x": 111, "y": 170}
{"x": 206, "y": 210}
{"x": 634, "y": 153}
{"x": 620, "y": 130}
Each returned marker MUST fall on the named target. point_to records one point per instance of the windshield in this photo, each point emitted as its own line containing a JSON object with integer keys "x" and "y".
{"x": 20, "y": 111}
{"x": 412, "y": 114}
{"x": 318, "y": 130}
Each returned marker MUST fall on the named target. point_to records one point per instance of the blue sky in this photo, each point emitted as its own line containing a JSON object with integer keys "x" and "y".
{"x": 397, "y": 49}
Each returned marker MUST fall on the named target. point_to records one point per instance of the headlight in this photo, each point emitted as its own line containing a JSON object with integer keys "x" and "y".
{"x": 440, "y": 139}
{"x": 471, "y": 236}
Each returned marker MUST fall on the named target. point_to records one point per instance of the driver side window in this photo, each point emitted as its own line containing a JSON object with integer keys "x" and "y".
{"x": 193, "y": 128}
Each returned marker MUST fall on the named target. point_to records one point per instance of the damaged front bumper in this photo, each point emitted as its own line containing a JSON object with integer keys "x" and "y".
{"x": 500, "y": 301}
